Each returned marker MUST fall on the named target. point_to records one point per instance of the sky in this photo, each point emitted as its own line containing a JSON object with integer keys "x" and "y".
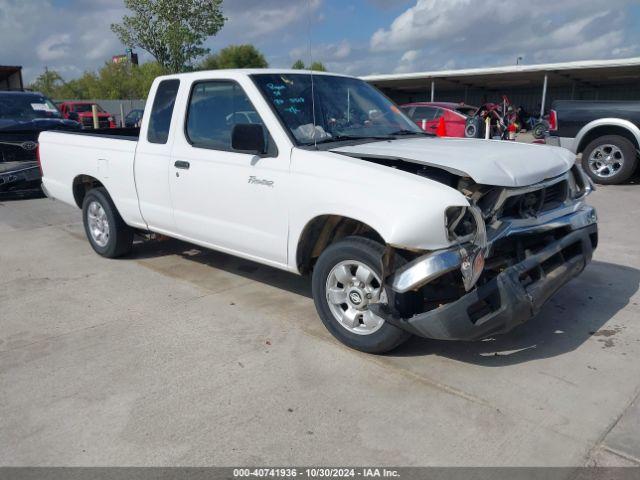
{"x": 357, "y": 37}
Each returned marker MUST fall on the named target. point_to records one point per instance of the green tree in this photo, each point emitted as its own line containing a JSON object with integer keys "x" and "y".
{"x": 113, "y": 81}
{"x": 234, "y": 56}
{"x": 318, "y": 67}
{"x": 210, "y": 62}
{"x": 173, "y": 31}
{"x": 48, "y": 83}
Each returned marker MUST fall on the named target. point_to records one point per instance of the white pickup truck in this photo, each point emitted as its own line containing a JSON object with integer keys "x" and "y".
{"x": 404, "y": 233}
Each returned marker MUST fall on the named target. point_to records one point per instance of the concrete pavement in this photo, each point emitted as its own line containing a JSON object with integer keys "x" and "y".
{"x": 181, "y": 356}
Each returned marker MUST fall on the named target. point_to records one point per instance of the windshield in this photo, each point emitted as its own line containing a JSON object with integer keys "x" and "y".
{"x": 85, "y": 107}
{"x": 345, "y": 108}
{"x": 26, "y": 107}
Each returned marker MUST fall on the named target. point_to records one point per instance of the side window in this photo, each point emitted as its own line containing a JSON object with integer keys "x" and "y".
{"x": 408, "y": 111}
{"x": 160, "y": 118}
{"x": 424, "y": 113}
{"x": 215, "y": 107}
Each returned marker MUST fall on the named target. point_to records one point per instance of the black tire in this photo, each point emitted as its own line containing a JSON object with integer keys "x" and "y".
{"x": 120, "y": 238}
{"x": 370, "y": 253}
{"x": 538, "y": 130}
{"x": 628, "y": 164}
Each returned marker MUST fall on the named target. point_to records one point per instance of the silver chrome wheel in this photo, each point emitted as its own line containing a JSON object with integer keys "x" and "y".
{"x": 351, "y": 287}
{"x": 606, "y": 160}
{"x": 98, "y": 224}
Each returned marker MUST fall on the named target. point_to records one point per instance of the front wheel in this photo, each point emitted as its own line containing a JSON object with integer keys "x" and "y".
{"x": 346, "y": 280}
{"x": 609, "y": 159}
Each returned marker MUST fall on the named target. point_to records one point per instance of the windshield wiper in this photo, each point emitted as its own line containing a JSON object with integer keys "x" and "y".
{"x": 409, "y": 132}
{"x": 340, "y": 138}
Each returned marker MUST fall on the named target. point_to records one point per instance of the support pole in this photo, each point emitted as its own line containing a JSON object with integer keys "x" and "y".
{"x": 121, "y": 115}
{"x": 94, "y": 113}
{"x": 544, "y": 94}
{"x": 433, "y": 90}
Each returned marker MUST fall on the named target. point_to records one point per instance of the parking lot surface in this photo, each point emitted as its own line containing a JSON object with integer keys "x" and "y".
{"x": 183, "y": 356}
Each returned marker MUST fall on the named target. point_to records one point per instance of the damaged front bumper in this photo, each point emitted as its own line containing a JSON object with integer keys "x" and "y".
{"x": 512, "y": 297}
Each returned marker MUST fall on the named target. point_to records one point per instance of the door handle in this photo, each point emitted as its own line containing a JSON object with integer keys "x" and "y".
{"x": 182, "y": 164}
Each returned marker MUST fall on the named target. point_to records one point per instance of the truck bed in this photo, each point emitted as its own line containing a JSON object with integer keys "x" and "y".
{"x": 124, "y": 133}
{"x": 105, "y": 155}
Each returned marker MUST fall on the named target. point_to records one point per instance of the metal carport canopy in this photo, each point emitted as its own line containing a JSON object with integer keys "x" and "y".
{"x": 589, "y": 72}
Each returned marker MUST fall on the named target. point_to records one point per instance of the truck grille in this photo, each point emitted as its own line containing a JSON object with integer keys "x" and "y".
{"x": 17, "y": 151}
{"x": 532, "y": 203}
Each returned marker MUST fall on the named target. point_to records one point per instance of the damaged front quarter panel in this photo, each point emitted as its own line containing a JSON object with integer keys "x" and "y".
{"x": 529, "y": 256}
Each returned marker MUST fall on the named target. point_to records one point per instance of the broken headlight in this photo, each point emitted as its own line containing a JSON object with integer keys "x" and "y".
{"x": 465, "y": 225}
{"x": 460, "y": 223}
{"x": 580, "y": 184}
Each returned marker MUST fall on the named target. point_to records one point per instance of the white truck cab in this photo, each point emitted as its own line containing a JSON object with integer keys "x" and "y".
{"x": 403, "y": 232}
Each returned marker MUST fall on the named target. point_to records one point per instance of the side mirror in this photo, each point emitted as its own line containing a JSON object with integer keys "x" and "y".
{"x": 249, "y": 138}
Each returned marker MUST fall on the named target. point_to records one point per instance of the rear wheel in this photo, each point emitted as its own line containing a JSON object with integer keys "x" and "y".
{"x": 609, "y": 159}
{"x": 346, "y": 280}
{"x": 107, "y": 233}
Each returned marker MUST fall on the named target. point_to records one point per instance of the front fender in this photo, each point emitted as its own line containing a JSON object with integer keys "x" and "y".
{"x": 604, "y": 122}
{"x": 405, "y": 209}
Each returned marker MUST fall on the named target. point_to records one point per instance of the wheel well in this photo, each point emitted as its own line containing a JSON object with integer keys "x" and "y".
{"x": 323, "y": 231}
{"x": 606, "y": 130}
{"x": 81, "y": 185}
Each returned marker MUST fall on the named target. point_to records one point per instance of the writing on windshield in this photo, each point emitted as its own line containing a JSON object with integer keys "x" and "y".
{"x": 344, "y": 107}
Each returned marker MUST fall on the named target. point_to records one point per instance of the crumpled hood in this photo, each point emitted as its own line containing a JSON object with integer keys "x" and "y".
{"x": 489, "y": 162}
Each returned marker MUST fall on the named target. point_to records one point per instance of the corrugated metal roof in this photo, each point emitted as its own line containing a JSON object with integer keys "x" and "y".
{"x": 544, "y": 67}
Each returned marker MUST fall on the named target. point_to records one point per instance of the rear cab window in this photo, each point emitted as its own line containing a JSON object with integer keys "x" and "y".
{"x": 162, "y": 111}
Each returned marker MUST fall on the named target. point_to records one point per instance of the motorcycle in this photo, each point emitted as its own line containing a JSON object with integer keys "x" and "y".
{"x": 476, "y": 125}
{"x": 540, "y": 128}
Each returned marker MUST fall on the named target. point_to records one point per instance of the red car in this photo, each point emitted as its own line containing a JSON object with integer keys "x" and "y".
{"x": 427, "y": 116}
{"x": 81, "y": 112}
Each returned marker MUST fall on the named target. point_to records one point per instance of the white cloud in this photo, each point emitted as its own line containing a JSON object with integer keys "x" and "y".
{"x": 251, "y": 19}
{"x": 54, "y": 47}
{"x": 407, "y": 61}
{"x": 68, "y": 39}
{"x": 343, "y": 50}
{"x": 409, "y": 56}
{"x": 495, "y": 29}
{"x": 438, "y": 34}
{"x": 325, "y": 53}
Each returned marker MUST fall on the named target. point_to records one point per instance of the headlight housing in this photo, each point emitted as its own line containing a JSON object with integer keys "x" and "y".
{"x": 460, "y": 224}
{"x": 580, "y": 184}
{"x": 466, "y": 226}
